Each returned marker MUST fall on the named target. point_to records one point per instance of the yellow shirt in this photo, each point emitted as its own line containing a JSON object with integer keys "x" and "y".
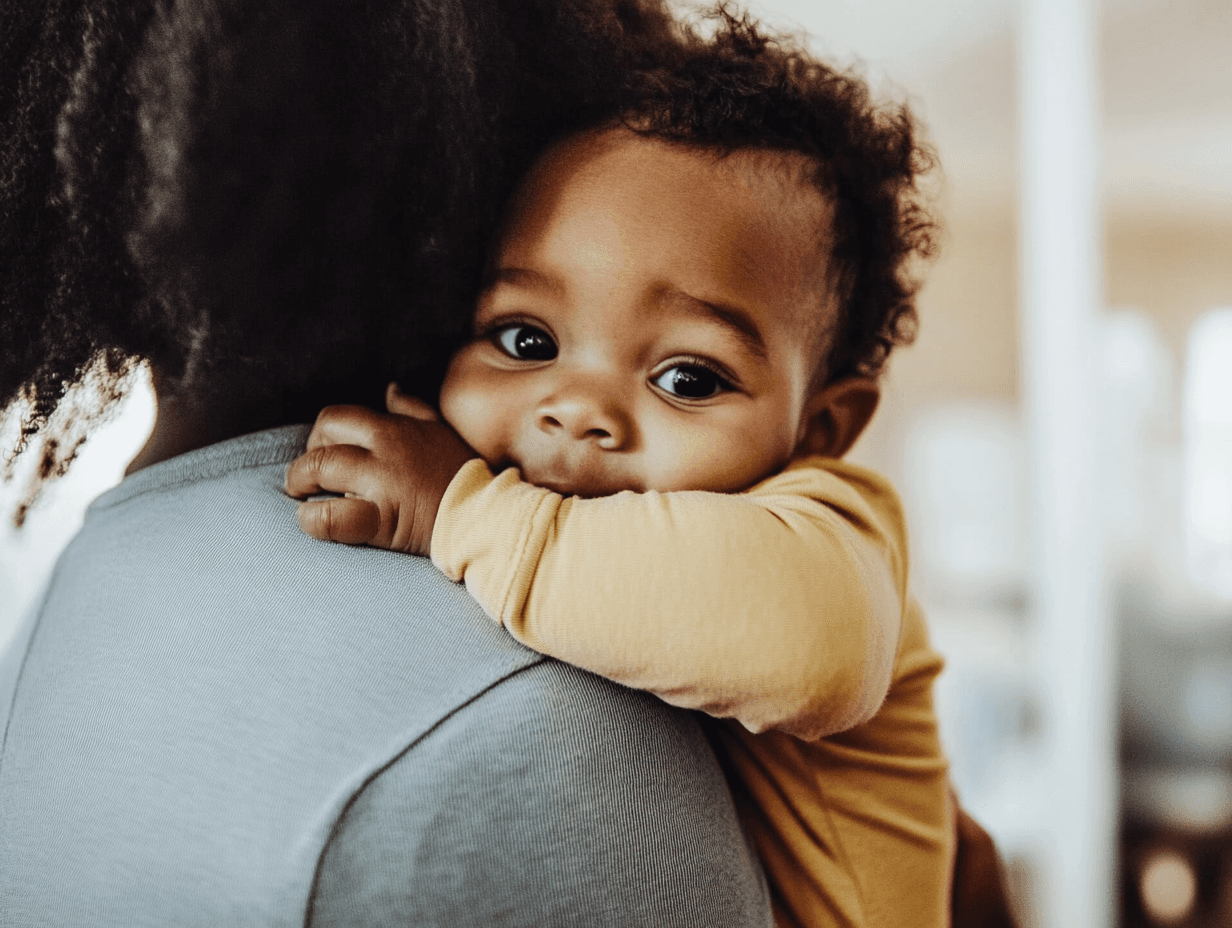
{"x": 782, "y": 612}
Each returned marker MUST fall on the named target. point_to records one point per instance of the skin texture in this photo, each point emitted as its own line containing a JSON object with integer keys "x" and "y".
{"x": 649, "y": 324}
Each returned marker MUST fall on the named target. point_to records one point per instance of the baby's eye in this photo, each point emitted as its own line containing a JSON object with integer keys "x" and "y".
{"x": 691, "y": 382}
{"x": 525, "y": 342}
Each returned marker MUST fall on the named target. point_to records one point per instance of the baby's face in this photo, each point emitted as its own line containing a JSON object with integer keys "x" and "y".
{"x": 647, "y": 324}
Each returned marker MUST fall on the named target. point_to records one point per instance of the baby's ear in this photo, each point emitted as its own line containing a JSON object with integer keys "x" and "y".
{"x": 401, "y": 404}
{"x": 836, "y": 415}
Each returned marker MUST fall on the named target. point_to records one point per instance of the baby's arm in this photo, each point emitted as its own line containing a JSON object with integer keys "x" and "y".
{"x": 780, "y": 606}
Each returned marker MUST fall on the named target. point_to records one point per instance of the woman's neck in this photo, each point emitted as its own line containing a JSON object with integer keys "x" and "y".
{"x": 183, "y": 424}
{"x": 178, "y": 430}
{"x": 206, "y": 414}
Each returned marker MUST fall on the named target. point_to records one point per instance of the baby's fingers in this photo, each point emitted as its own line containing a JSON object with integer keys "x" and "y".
{"x": 349, "y": 520}
{"x": 345, "y": 425}
{"x": 329, "y": 469}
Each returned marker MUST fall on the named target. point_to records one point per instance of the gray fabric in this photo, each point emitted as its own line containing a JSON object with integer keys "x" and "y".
{"x": 219, "y": 721}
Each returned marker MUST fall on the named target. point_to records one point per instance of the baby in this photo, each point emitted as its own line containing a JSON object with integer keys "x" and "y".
{"x": 677, "y": 341}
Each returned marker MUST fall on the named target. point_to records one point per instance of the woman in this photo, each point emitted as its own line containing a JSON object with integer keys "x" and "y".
{"x": 201, "y": 727}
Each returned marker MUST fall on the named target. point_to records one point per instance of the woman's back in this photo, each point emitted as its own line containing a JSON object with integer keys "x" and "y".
{"x": 209, "y": 727}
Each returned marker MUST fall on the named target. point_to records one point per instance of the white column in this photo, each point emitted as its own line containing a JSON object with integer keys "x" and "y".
{"x": 1061, "y": 270}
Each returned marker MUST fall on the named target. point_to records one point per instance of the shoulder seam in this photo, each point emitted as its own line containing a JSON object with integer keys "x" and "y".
{"x": 531, "y": 660}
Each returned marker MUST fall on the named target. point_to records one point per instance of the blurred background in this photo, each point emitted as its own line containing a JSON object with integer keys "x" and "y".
{"x": 1061, "y": 433}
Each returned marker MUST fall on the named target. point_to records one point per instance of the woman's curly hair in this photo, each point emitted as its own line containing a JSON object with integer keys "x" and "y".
{"x": 738, "y": 89}
{"x": 286, "y": 197}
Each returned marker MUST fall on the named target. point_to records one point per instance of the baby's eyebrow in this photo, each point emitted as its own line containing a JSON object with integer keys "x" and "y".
{"x": 736, "y": 320}
{"x": 524, "y": 277}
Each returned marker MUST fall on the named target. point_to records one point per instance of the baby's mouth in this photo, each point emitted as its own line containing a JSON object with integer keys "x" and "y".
{"x": 584, "y": 481}
{"x": 563, "y": 487}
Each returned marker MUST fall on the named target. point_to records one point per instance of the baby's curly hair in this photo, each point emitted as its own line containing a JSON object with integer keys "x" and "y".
{"x": 283, "y": 197}
{"x": 741, "y": 89}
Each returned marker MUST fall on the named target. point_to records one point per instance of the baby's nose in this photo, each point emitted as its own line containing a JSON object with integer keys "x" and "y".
{"x": 585, "y": 413}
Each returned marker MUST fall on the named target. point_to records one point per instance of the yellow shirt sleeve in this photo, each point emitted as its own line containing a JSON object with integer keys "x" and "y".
{"x": 780, "y": 607}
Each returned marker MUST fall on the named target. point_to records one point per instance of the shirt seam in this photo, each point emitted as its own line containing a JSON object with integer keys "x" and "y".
{"x": 519, "y": 667}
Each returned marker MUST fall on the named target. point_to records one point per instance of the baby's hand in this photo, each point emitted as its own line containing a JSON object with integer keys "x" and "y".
{"x": 392, "y": 469}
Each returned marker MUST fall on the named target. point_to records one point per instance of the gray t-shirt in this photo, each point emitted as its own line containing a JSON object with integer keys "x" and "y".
{"x": 216, "y": 720}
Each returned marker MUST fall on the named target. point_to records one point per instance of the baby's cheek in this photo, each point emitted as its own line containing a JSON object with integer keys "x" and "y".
{"x": 683, "y": 459}
{"x": 730, "y": 463}
{"x": 477, "y": 411}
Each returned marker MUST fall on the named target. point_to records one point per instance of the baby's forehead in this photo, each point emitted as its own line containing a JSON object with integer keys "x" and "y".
{"x": 791, "y": 219}
{"x": 785, "y": 183}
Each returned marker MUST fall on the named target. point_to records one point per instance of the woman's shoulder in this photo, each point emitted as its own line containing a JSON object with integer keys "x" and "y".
{"x": 569, "y": 796}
